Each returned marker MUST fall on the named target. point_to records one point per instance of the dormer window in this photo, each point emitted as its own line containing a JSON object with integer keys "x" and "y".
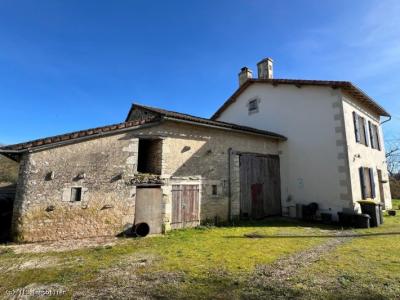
{"x": 253, "y": 105}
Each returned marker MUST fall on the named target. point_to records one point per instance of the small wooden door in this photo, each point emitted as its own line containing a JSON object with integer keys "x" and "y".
{"x": 185, "y": 206}
{"x": 260, "y": 194}
{"x": 148, "y": 208}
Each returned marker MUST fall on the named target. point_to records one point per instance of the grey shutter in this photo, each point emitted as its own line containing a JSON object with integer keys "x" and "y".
{"x": 362, "y": 183}
{"x": 378, "y": 143}
{"x": 371, "y": 134}
{"x": 372, "y": 180}
{"x": 366, "y": 133}
{"x": 356, "y": 127}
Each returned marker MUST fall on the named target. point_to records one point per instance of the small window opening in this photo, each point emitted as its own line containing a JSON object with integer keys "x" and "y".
{"x": 253, "y": 106}
{"x": 214, "y": 190}
{"x": 150, "y": 156}
{"x": 76, "y": 194}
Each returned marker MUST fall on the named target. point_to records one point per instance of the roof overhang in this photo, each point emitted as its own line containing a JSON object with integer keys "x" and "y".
{"x": 345, "y": 86}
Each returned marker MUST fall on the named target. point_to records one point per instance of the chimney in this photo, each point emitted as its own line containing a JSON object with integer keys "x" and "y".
{"x": 244, "y": 75}
{"x": 265, "y": 69}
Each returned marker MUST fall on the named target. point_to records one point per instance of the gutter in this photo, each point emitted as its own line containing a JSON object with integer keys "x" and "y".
{"x": 223, "y": 128}
{"x": 390, "y": 117}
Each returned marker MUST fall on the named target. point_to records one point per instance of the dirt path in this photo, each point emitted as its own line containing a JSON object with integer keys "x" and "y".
{"x": 278, "y": 274}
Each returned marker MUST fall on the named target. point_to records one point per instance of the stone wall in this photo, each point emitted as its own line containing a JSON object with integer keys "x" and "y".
{"x": 42, "y": 208}
{"x": 194, "y": 154}
{"x": 105, "y": 169}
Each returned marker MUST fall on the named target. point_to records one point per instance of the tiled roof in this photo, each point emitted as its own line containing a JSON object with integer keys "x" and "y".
{"x": 346, "y": 86}
{"x": 185, "y": 117}
{"x": 93, "y": 132}
{"x": 99, "y": 131}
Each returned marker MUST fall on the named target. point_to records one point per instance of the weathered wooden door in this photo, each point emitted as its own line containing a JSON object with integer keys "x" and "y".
{"x": 260, "y": 194}
{"x": 148, "y": 208}
{"x": 185, "y": 206}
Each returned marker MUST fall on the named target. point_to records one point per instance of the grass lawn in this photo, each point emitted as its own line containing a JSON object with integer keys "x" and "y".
{"x": 217, "y": 263}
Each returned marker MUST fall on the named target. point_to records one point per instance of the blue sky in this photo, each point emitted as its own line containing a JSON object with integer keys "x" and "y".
{"x": 70, "y": 65}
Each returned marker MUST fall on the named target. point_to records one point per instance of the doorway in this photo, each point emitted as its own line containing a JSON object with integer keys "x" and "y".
{"x": 260, "y": 191}
{"x": 185, "y": 206}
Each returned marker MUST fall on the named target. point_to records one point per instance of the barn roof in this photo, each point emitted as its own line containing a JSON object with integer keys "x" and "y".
{"x": 175, "y": 116}
{"x": 160, "y": 115}
{"x": 63, "y": 138}
{"x": 346, "y": 86}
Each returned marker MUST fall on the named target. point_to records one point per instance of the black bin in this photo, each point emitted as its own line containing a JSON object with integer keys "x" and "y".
{"x": 362, "y": 221}
{"x": 380, "y": 213}
{"x": 345, "y": 220}
{"x": 374, "y": 210}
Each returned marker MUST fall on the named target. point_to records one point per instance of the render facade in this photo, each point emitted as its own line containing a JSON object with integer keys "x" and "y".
{"x": 321, "y": 160}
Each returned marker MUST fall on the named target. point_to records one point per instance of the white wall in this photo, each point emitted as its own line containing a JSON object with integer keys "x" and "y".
{"x": 360, "y": 155}
{"x": 313, "y": 161}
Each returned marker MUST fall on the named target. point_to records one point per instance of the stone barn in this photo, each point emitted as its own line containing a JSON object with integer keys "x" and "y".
{"x": 165, "y": 169}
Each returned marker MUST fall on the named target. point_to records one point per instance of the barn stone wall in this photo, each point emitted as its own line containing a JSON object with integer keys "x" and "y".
{"x": 42, "y": 208}
{"x": 104, "y": 168}
{"x": 200, "y": 154}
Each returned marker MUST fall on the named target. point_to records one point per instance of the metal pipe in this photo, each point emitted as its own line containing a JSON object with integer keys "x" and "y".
{"x": 229, "y": 185}
{"x": 390, "y": 117}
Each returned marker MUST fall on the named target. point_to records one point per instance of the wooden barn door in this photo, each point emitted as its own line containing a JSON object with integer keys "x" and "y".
{"x": 185, "y": 206}
{"x": 260, "y": 194}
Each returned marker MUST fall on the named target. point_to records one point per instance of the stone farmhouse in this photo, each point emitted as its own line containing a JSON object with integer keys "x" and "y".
{"x": 274, "y": 145}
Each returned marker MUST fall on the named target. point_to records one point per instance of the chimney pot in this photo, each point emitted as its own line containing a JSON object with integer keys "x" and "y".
{"x": 244, "y": 75}
{"x": 265, "y": 68}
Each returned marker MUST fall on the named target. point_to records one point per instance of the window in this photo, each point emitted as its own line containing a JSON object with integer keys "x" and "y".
{"x": 214, "y": 190}
{"x": 360, "y": 129}
{"x": 150, "y": 156}
{"x": 374, "y": 136}
{"x": 253, "y": 106}
{"x": 76, "y": 194}
{"x": 367, "y": 182}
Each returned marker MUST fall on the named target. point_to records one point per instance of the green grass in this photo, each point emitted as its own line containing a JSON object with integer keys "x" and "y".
{"x": 8, "y": 170}
{"x": 364, "y": 268}
{"x": 217, "y": 263}
{"x": 199, "y": 254}
{"x": 396, "y": 204}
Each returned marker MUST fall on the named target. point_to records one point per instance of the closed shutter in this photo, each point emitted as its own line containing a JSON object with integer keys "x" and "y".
{"x": 372, "y": 181}
{"x": 362, "y": 183}
{"x": 371, "y": 134}
{"x": 365, "y": 132}
{"x": 356, "y": 127}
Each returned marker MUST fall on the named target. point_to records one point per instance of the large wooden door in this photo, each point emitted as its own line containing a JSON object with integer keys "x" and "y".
{"x": 148, "y": 208}
{"x": 260, "y": 194}
{"x": 185, "y": 206}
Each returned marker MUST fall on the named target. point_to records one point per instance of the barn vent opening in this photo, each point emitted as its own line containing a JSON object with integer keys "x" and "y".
{"x": 150, "y": 155}
{"x": 76, "y": 194}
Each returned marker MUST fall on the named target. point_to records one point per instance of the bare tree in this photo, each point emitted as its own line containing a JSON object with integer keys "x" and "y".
{"x": 393, "y": 156}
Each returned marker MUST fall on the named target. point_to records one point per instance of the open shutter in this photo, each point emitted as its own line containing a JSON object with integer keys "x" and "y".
{"x": 356, "y": 127}
{"x": 371, "y": 134}
{"x": 372, "y": 180}
{"x": 366, "y": 133}
{"x": 378, "y": 143}
{"x": 362, "y": 183}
